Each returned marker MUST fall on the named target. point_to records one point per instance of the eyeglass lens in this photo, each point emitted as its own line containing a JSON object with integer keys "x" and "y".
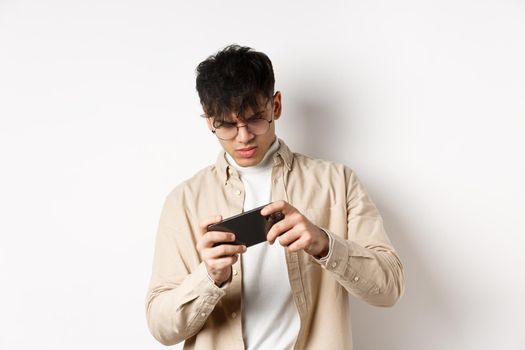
{"x": 257, "y": 126}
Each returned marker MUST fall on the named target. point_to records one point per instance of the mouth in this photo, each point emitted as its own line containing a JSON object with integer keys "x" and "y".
{"x": 246, "y": 152}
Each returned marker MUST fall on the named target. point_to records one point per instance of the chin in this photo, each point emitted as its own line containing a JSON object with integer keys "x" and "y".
{"x": 247, "y": 161}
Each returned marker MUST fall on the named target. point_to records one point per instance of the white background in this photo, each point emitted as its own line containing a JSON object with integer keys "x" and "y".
{"x": 100, "y": 119}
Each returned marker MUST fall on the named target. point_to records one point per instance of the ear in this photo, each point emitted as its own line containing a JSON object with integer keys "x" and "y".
{"x": 277, "y": 105}
{"x": 209, "y": 122}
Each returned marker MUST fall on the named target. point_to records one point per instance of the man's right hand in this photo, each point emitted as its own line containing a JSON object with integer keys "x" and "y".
{"x": 218, "y": 259}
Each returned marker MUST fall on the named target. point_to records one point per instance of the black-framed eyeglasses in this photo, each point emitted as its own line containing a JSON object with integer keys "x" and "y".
{"x": 257, "y": 126}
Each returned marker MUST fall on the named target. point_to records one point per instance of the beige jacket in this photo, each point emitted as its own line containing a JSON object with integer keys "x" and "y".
{"x": 182, "y": 302}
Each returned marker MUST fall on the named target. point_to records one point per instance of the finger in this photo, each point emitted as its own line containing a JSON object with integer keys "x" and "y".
{"x": 302, "y": 243}
{"x": 212, "y": 237}
{"x": 280, "y": 228}
{"x": 276, "y": 206}
{"x": 289, "y": 237}
{"x": 208, "y": 221}
{"x": 225, "y": 250}
{"x": 222, "y": 263}
{"x": 211, "y": 254}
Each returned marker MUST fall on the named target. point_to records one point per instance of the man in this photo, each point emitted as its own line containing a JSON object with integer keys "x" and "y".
{"x": 288, "y": 293}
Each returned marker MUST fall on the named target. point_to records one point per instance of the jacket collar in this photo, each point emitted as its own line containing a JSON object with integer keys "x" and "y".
{"x": 282, "y": 155}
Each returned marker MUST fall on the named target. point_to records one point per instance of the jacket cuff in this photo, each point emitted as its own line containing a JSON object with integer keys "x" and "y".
{"x": 339, "y": 254}
{"x": 211, "y": 293}
{"x": 206, "y": 284}
{"x": 337, "y": 258}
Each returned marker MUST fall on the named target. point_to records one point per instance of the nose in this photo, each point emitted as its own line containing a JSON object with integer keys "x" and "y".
{"x": 243, "y": 134}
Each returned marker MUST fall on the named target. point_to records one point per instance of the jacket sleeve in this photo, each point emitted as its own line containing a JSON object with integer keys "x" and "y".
{"x": 181, "y": 296}
{"x": 364, "y": 262}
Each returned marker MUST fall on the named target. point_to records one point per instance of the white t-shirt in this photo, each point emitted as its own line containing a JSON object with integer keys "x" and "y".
{"x": 269, "y": 315}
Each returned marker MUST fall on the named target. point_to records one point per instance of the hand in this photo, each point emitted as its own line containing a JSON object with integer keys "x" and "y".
{"x": 219, "y": 259}
{"x": 295, "y": 231}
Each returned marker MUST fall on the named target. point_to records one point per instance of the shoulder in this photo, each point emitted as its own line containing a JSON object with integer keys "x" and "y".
{"x": 323, "y": 172}
{"x": 316, "y": 165}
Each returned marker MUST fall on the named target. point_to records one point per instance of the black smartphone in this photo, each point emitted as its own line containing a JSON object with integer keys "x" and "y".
{"x": 249, "y": 228}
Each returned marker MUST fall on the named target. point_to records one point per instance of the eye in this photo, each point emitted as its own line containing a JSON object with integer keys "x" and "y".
{"x": 255, "y": 118}
{"x": 254, "y": 121}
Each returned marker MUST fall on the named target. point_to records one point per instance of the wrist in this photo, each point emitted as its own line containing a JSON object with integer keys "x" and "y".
{"x": 218, "y": 281}
{"x": 325, "y": 245}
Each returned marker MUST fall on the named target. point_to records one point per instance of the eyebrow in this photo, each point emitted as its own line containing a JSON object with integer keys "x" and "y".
{"x": 253, "y": 116}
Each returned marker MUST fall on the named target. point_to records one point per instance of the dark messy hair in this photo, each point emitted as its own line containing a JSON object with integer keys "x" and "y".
{"x": 234, "y": 79}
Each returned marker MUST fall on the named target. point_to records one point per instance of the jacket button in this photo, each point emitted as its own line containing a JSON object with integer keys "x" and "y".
{"x": 238, "y": 192}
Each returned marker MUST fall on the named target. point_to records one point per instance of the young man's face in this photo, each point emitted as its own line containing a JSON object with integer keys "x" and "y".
{"x": 247, "y": 148}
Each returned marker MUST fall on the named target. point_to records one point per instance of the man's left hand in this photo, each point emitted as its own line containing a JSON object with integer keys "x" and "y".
{"x": 295, "y": 231}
